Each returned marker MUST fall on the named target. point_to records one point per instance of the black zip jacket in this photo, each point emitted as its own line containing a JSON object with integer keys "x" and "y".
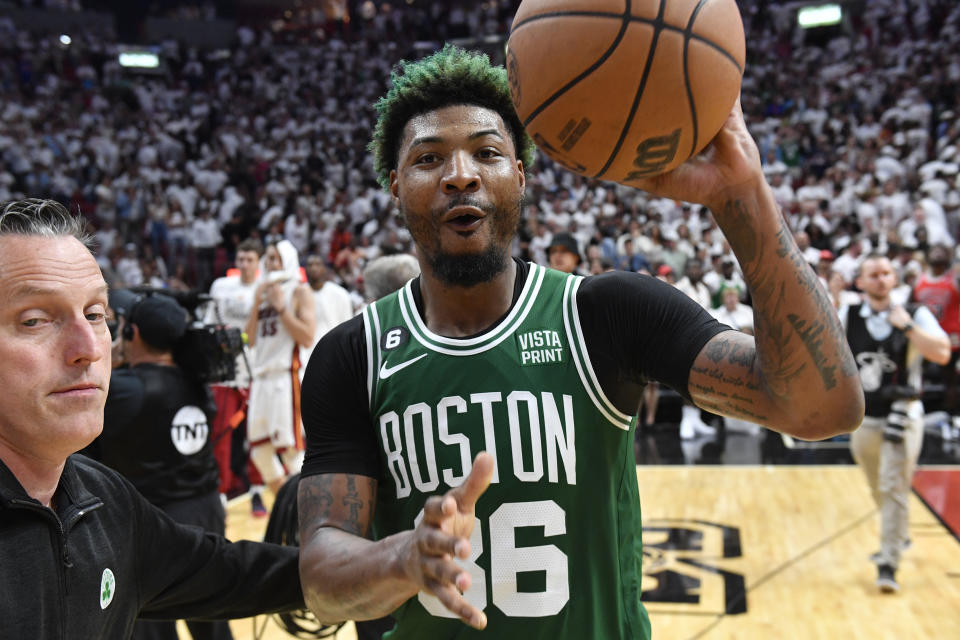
{"x": 107, "y": 556}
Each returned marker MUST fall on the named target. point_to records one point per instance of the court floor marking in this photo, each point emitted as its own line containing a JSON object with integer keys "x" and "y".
{"x": 786, "y": 565}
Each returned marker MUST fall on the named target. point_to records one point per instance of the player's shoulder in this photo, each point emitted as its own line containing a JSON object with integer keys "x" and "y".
{"x": 224, "y": 282}
{"x": 349, "y": 334}
{"x": 618, "y": 283}
{"x": 341, "y": 349}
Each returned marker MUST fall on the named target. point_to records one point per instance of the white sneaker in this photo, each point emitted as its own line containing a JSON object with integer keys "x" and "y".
{"x": 703, "y": 429}
{"x": 690, "y": 429}
{"x": 692, "y": 425}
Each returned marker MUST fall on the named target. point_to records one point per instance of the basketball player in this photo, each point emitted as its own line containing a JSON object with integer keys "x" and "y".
{"x": 535, "y": 376}
{"x": 232, "y": 302}
{"x": 890, "y": 343}
{"x": 280, "y": 324}
{"x": 83, "y": 553}
{"x": 331, "y": 304}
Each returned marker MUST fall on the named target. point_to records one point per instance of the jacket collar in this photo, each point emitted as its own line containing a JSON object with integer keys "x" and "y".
{"x": 71, "y": 495}
{"x": 10, "y": 487}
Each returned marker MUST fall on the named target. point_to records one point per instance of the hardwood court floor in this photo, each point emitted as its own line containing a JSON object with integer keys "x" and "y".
{"x": 765, "y": 553}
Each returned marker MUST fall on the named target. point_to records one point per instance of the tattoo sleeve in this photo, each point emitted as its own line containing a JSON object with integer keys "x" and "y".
{"x": 778, "y": 287}
{"x": 798, "y": 368}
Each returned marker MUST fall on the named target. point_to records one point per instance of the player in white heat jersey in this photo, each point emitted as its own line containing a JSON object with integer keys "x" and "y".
{"x": 280, "y": 323}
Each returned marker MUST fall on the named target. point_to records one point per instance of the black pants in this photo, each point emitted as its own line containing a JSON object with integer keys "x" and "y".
{"x": 207, "y": 513}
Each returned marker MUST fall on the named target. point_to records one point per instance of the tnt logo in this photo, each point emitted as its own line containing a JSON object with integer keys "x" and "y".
{"x": 654, "y": 154}
{"x": 680, "y": 562}
{"x": 189, "y": 430}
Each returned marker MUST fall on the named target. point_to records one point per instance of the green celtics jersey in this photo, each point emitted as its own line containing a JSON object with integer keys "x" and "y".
{"x": 556, "y": 545}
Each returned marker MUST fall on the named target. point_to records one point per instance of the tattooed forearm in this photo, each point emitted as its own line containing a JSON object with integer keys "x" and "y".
{"x": 810, "y": 335}
{"x": 825, "y": 310}
{"x": 346, "y": 576}
{"x": 821, "y": 334}
{"x": 778, "y": 360}
{"x": 741, "y": 231}
{"x": 799, "y": 349}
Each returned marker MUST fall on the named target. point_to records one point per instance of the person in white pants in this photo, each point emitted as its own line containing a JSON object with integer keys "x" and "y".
{"x": 889, "y": 343}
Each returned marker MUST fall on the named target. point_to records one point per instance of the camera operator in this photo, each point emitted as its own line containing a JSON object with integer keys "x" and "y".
{"x": 157, "y": 432}
{"x": 232, "y": 298}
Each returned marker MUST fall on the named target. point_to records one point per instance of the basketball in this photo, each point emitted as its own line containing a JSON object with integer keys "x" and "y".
{"x": 622, "y": 90}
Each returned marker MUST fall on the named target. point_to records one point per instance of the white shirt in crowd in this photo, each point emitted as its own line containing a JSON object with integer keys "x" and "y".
{"x": 205, "y": 234}
{"x": 332, "y": 305}
{"x": 740, "y": 318}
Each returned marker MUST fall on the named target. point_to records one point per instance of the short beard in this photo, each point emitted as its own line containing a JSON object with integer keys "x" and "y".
{"x": 471, "y": 269}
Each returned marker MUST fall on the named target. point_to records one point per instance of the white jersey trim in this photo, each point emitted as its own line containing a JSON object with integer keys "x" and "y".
{"x": 487, "y": 340}
{"x": 367, "y": 332}
{"x": 376, "y": 345}
{"x": 582, "y": 359}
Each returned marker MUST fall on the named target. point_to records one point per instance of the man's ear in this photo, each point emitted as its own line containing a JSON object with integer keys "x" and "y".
{"x": 395, "y": 195}
{"x": 394, "y": 188}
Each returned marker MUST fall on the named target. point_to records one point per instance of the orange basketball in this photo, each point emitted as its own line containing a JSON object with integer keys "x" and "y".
{"x": 624, "y": 89}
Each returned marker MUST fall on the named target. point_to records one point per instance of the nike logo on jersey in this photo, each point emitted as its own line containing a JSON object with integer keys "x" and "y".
{"x": 386, "y": 372}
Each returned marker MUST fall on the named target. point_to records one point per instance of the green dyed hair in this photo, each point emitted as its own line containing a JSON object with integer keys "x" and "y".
{"x": 448, "y": 77}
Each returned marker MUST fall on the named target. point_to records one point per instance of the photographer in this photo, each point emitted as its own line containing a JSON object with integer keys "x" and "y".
{"x": 157, "y": 431}
{"x": 890, "y": 343}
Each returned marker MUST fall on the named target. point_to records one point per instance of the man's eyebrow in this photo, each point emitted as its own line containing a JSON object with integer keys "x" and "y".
{"x": 425, "y": 140}
{"x": 486, "y": 132}
{"x": 27, "y": 290}
{"x": 472, "y": 136}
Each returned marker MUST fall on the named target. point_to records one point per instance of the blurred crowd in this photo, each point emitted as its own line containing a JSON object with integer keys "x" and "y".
{"x": 859, "y": 136}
